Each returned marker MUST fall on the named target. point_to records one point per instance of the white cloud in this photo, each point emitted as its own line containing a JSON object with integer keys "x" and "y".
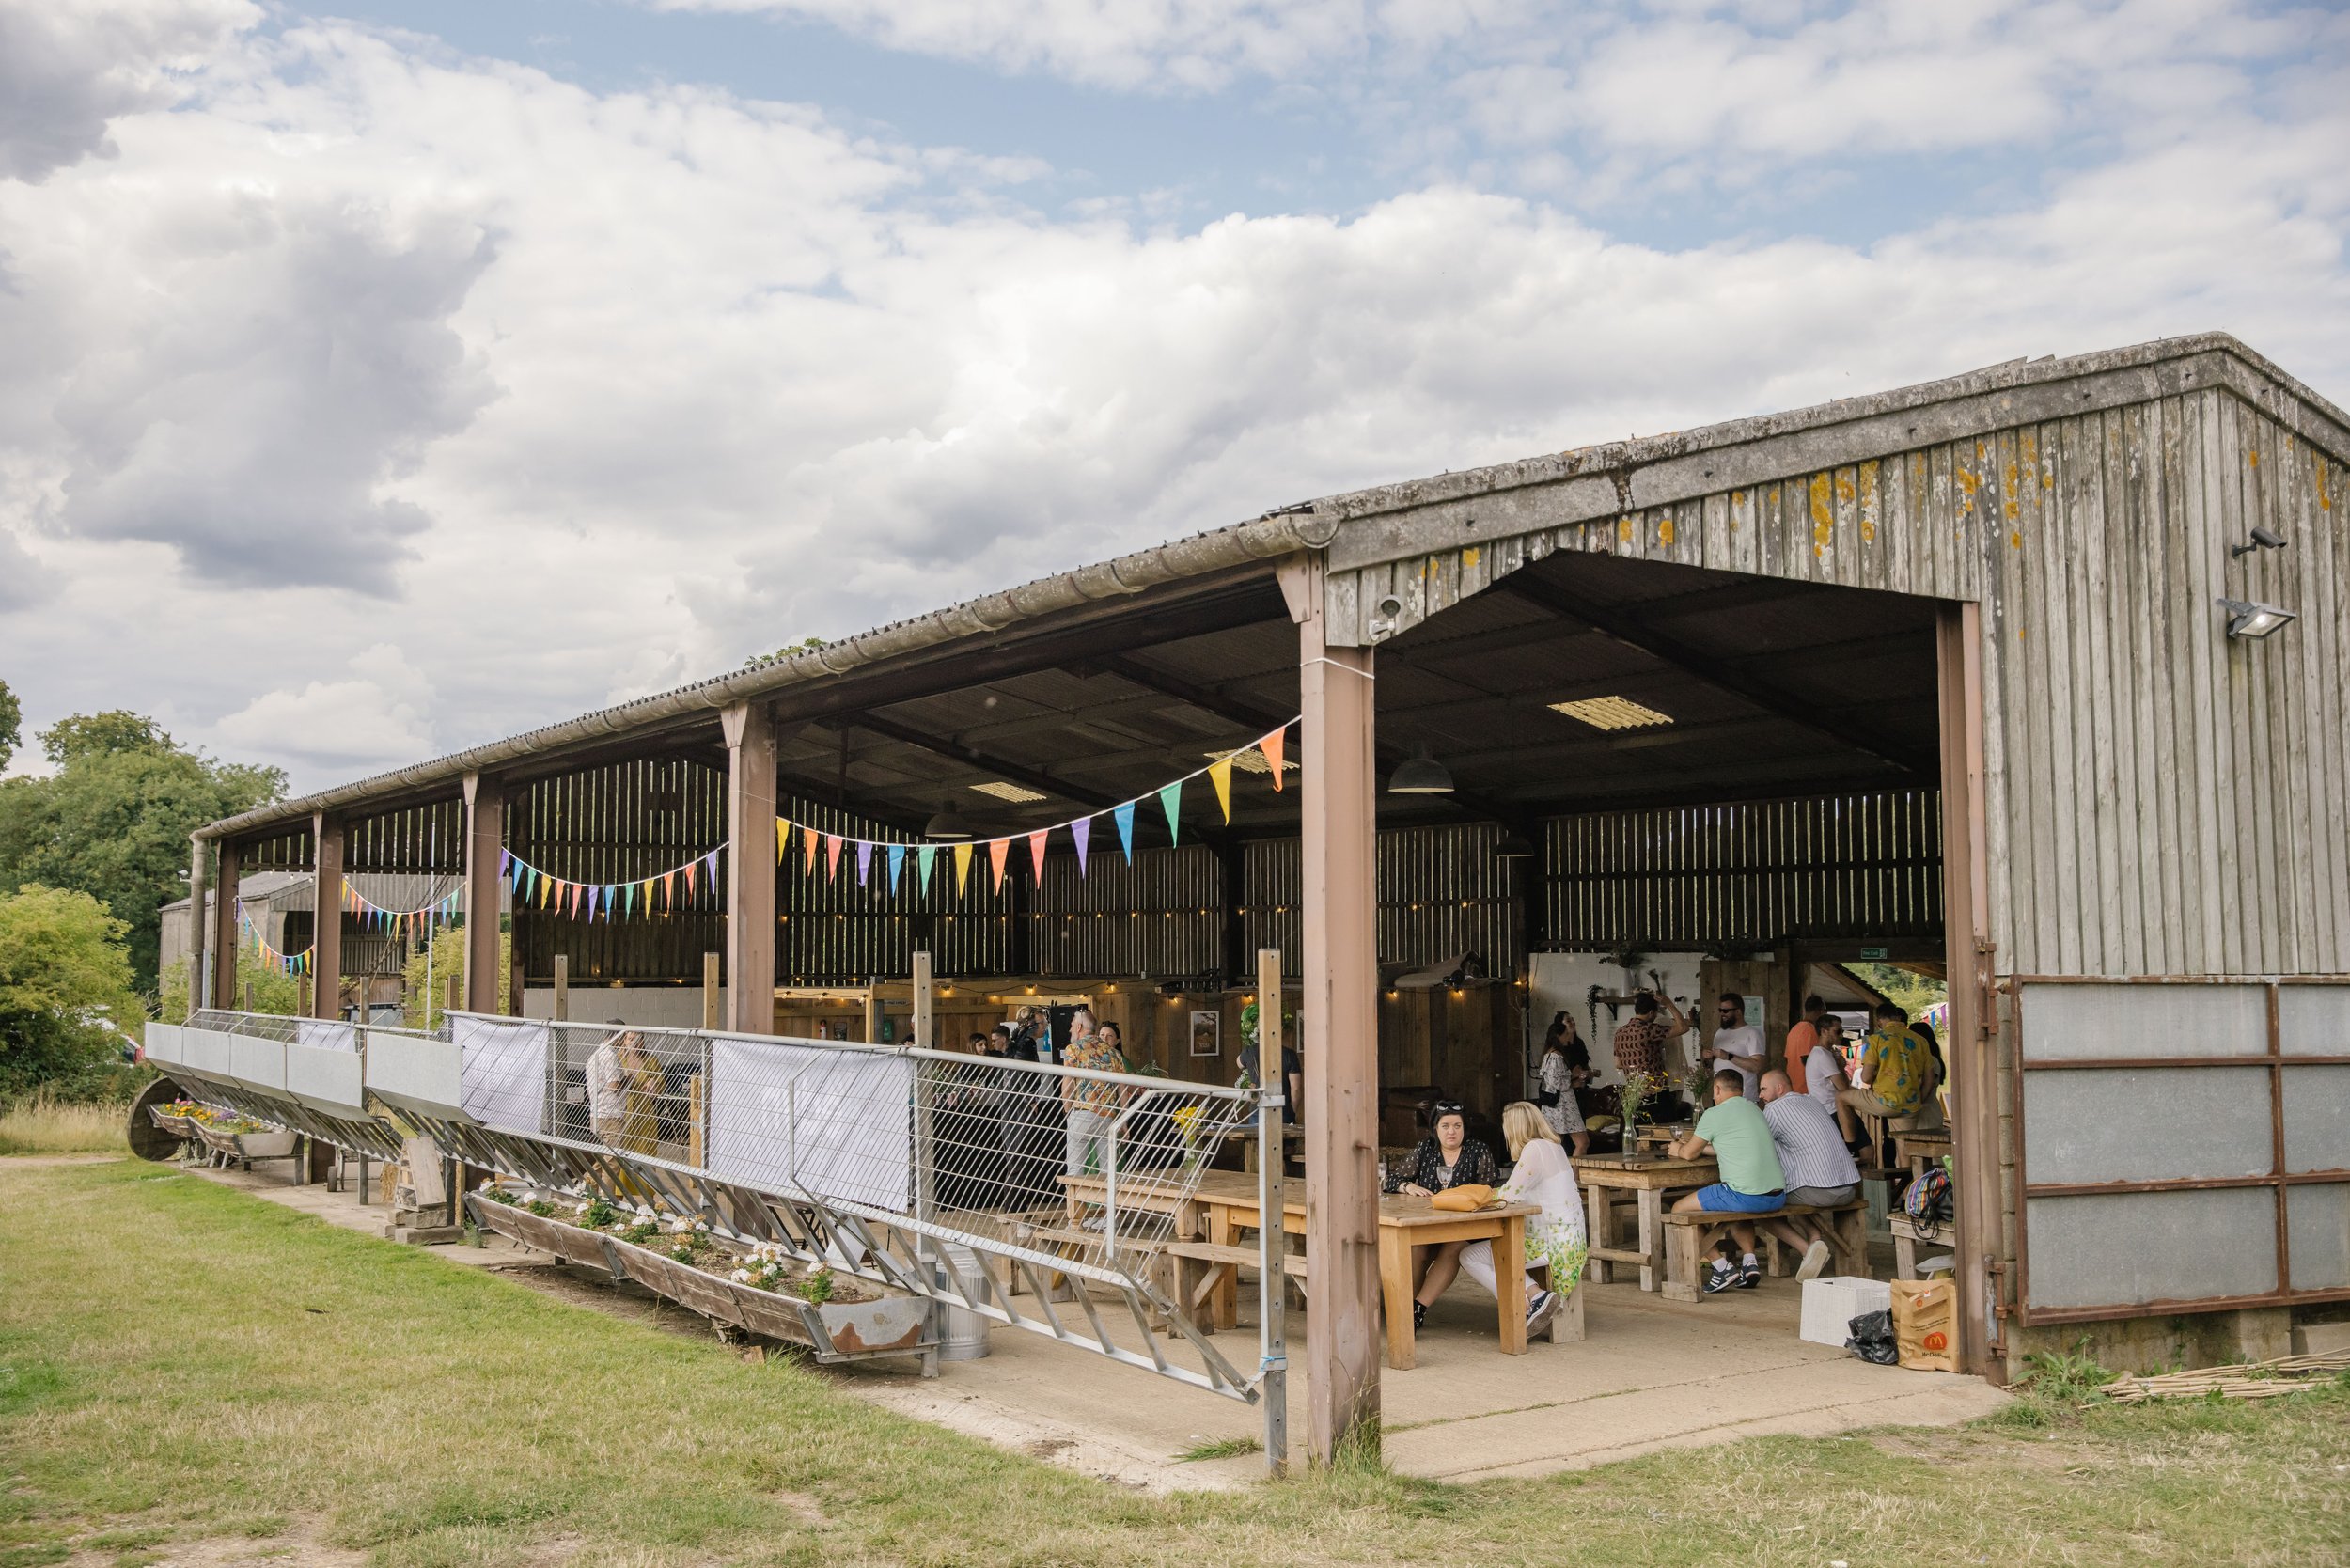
{"x": 435, "y": 398}
{"x": 377, "y": 717}
{"x": 66, "y": 68}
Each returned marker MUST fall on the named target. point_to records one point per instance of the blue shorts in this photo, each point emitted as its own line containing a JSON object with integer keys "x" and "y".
{"x": 1719, "y": 1199}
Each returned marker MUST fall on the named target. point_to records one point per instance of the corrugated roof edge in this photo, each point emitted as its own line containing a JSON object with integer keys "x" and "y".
{"x": 1274, "y": 535}
{"x": 1617, "y": 457}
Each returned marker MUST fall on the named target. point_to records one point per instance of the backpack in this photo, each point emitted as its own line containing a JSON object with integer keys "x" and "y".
{"x": 1928, "y": 1201}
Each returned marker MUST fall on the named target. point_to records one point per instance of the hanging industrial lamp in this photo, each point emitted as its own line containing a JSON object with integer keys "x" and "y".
{"x": 949, "y": 824}
{"x": 1419, "y": 774}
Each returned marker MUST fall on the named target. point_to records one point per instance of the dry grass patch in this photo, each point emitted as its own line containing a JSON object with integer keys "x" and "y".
{"x": 41, "y": 1125}
{"x": 253, "y": 1364}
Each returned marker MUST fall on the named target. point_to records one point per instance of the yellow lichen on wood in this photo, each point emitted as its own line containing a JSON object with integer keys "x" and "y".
{"x": 1869, "y": 472}
{"x": 1823, "y": 515}
{"x": 1664, "y": 529}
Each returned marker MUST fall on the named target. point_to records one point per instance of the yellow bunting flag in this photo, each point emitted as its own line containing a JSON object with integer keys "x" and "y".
{"x": 783, "y": 836}
{"x": 1271, "y": 745}
{"x": 963, "y": 867}
{"x": 1220, "y": 774}
{"x": 998, "y": 851}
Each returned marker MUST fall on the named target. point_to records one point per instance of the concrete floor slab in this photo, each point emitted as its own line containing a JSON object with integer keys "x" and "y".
{"x": 1652, "y": 1374}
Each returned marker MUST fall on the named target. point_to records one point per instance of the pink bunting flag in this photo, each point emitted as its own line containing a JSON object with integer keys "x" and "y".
{"x": 1036, "y": 853}
{"x": 998, "y": 852}
{"x": 832, "y": 857}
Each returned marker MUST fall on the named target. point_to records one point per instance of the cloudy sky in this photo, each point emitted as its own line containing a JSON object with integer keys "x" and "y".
{"x": 380, "y": 379}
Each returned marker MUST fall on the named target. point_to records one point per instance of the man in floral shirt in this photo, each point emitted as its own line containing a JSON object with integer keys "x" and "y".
{"x": 1640, "y": 1041}
{"x": 1090, "y": 1107}
{"x": 1896, "y": 1072}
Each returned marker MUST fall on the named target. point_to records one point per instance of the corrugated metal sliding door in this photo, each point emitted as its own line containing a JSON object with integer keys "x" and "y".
{"x": 2182, "y": 1145}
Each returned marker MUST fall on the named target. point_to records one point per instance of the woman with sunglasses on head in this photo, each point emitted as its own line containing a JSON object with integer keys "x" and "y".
{"x": 1447, "y": 1158}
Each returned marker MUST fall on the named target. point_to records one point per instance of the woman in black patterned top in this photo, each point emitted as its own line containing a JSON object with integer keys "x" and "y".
{"x": 1448, "y": 1159}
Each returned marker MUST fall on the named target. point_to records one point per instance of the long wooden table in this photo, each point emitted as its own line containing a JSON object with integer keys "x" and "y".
{"x": 1228, "y": 1204}
{"x": 1649, "y": 1178}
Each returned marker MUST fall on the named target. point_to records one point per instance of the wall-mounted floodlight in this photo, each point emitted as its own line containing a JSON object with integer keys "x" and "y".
{"x": 2249, "y": 618}
{"x": 1420, "y": 774}
{"x": 2261, "y": 540}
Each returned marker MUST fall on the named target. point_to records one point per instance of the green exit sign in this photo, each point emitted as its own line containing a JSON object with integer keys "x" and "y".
{"x": 1876, "y": 952}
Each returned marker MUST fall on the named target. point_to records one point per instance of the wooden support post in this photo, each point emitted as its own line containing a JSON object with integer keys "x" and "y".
{"x": 873, "y": 1015}
{"x": 1969, "y": 1046}
{"x": 485, "y": 858}
{"x": 751, "y": 852}
{"x": 710, "y": 1012}
{"x": 199, "y": 922}
{"x": 562, "y": 988}
{"x": 1272, "y": 1235}
{"x": 326, "y": 920}
{"x": 1339, "y": 779}
{"x": 919, "y": 1031}
{"x": 224, "y": 993}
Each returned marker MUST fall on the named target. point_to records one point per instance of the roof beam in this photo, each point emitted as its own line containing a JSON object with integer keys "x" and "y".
{"x": 1015, "y": 773}
{"x": 1247, "y": 714}
{"x": 1716, "y": 672}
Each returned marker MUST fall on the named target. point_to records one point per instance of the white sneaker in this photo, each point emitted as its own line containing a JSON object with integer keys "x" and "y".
{"x": 1814, "y": 1261}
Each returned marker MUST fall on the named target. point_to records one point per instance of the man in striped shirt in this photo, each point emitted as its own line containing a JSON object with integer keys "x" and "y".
{"x": 1820, "y": 1171}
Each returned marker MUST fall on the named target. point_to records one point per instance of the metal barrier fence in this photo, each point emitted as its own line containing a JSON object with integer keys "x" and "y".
{"x": 1054, "y": 1201}
{"x": 305, "y": 1074}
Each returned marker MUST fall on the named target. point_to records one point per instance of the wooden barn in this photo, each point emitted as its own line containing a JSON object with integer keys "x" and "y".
{"x": 2037, "y": 678}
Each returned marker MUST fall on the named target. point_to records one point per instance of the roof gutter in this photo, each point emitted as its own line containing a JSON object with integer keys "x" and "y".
{"x": 1267, "y": 538}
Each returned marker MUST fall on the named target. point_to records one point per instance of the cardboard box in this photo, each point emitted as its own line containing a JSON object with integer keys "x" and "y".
{"x": 1830, "y": 1305}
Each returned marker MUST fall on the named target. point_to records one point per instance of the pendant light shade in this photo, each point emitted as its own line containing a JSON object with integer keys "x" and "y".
{"x": 949, "y": 824}
{"x": 1420, "y": 774}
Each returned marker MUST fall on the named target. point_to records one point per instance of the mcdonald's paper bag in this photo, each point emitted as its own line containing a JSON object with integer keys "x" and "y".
{"x": 1925, "y": 1324}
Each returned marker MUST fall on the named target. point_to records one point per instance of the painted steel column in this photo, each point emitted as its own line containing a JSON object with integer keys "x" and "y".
{"x": 326, "y": 918}
{"x": 199, "y": 925}
{"x": 751, "y": 731}
{"x": 485, "y": 857}
{"x": 224, "y": 993}
{"x": 1971, "y": 1042}
{"x": 1341, "y": 1109}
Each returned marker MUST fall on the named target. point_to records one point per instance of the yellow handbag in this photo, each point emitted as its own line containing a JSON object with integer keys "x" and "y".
{"x": 1463, "y": 1200}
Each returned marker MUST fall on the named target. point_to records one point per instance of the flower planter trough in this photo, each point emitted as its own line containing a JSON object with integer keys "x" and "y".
{"x": 834, "y": 1330}
{"x": 273, "y": 1143}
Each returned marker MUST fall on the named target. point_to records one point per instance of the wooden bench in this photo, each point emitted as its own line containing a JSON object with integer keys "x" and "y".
{"x": 1908, "y": 1235}
{"x": 1688, "y": 1236}
{"x": 1223, "y": 1261}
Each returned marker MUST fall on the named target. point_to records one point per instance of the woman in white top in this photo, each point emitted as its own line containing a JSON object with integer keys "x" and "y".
{"x": 1545, "y": 1177}
{"x": 1565, "y": 1066}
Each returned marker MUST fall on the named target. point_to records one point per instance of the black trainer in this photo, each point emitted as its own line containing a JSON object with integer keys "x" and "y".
{"x": 1420, "y": 1315}
{"x": 1722, "y": 1277}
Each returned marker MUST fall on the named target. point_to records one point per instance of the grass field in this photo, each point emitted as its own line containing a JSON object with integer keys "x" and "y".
{"x": 194, "y": 1374}
{"x": 44, "y": 1126}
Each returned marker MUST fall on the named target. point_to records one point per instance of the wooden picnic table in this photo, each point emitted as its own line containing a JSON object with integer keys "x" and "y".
{"x": 1228, "y": 1204}
{"x": 1649, "y": 1177}
{"x": 1916, "y": 1150}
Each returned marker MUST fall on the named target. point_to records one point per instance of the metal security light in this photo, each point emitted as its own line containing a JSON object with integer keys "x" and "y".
{"x": 2250, "y": 619}
{"x": 1420, "y": 774}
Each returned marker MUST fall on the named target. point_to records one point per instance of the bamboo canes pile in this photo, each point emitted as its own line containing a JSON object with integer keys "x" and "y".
{"x": 2285, "y": 1375}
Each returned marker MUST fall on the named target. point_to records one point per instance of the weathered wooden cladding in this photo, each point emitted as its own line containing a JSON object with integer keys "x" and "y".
{"x": 620, "y": 822}
{"x": 426, "y": 837}
{"x": 1705, "y": 877}
{"x": 2159, "y": 798}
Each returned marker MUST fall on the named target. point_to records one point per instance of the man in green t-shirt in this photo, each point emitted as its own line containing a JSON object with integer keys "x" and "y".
{"x": 1734, "y": 1134}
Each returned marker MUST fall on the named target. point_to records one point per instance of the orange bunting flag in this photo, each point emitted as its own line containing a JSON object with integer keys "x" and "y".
{"x": 998, "y": 851}
{"x": 668, "y": 888}
{"x": 783, "y": 836}
{"x": 832, "y": 856}
{"x": 1271, "y": 745}
{"x": 807, "y": 848}
{"x": 1036, "y": 853}
{"x": 963, "y": 867}
{"x": 691, "y": 867}
{"x": 1220, "y": 774}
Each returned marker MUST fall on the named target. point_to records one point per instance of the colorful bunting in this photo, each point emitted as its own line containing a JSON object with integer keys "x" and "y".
{"x": 1271, "y": 745}
{"x": 963, "y": 867}
{"x": 1036, "y": 853}
{"x": 1125, "y": 817}
{"x": 1220, "y": 774}
{"x": 1171, "y": 799}
{"x": 923, "y": 855}
{"x": 1081, "y": 830}
{"x": 998, "y": 851}
{"x": 783, "y": 837}
{"x": 864, "y": 863}
{"x": 832, "y": 857}
{"x": 896, "y": 860}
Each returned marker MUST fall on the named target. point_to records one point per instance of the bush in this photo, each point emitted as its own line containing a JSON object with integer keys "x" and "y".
{"x": 69, "y": 1019}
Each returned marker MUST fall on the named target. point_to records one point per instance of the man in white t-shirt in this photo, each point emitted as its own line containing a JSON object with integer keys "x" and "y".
{"x": 1738, "y": 1045}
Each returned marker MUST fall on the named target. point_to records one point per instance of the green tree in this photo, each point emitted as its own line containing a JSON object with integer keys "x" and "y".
{"x": 11, "y": 717}
{"x": 114, "y": 819}
{"x": 425, "y": 1003}
{"x": 67, "y": 1006}
{"x": 273, "y": 989}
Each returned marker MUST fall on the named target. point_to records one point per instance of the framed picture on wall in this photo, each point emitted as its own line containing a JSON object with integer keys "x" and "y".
{"x": 1207, "y": 1034}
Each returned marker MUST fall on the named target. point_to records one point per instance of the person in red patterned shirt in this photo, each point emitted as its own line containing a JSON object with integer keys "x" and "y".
{"x": 1640, "y": 1040}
